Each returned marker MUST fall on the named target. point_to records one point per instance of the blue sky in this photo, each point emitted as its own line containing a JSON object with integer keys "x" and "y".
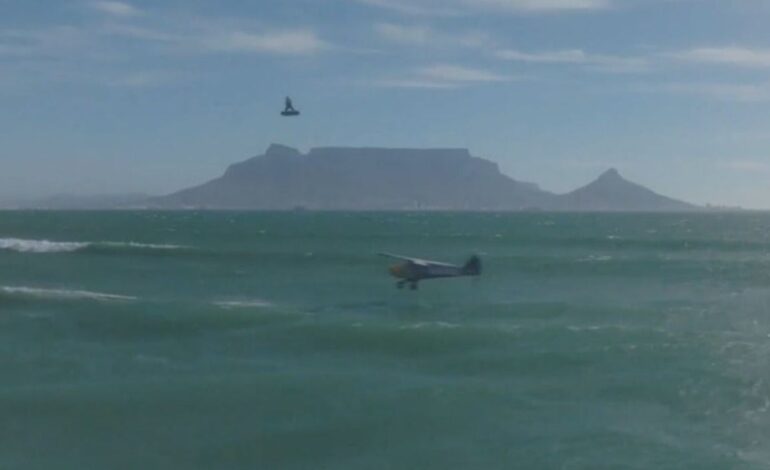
{"x": 152, "y": 96}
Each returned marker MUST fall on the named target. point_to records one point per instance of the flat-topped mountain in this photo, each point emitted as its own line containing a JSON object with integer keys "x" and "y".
{"x": 612, "y": 192}
{"x": 341, "y": 178}
{"x": 362, "y": 179}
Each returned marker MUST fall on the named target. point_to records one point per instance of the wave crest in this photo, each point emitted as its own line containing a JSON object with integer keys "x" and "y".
{"x": 149, "y": 246}
{"x": 254, "y": 303}
{"x": 64, "y": 294}
{"x": 40, "y": 246}
{"x": 47, "y": 246}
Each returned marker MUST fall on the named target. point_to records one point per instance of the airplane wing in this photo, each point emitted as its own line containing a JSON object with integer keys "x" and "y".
{"x": 417, "y": 261}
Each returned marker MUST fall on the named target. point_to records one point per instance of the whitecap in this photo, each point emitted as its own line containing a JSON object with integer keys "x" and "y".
{"x": 430, "y": 324}
{"x": 65, "y": 294}
{"x": 40, "y": 246}
{"x": 151, "y": 246}
{"x": 595, "y": 259}
{"x": 251, "y": 303}
{"x": 47, "y": 246}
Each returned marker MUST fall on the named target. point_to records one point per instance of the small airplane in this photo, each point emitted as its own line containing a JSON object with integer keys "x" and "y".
{"x": 413, "y": 270}
{"x": 288, "y": 109}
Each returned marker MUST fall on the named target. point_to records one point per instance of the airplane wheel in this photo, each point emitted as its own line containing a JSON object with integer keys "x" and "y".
{"x": 413, "y": 286}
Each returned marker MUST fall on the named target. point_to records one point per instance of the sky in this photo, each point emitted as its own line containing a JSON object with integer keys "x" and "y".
{"x": 102, "y": 96}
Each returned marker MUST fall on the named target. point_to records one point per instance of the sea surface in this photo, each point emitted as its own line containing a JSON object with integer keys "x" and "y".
{"x": 195, "y": 340}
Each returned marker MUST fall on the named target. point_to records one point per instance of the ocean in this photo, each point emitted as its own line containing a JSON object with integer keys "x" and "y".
{"x": 228, "y": 340}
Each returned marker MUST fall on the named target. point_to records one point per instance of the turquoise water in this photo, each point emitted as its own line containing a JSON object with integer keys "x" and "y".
{"x": 266, "y": 340}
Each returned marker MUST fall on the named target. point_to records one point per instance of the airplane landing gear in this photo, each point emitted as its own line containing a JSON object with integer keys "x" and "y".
{"x": 400, "y": 284}
{"x": 413, "y": 285}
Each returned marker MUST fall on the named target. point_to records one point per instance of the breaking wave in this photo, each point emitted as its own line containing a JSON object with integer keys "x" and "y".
{"x": 39, "y": 246}
{"x": 255, "y": 303}
{"x": 47, "y": 246}
{"x": 65, "y": 294}
{"x": 151, "y": 246}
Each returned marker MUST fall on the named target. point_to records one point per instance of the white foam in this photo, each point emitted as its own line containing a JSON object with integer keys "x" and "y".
{"x": 40, "y": 246}
{"x": 47, "y": 246}
{"x": 430, "y": 325}
{"x": 63, "y": 294}
{"x": 253, "y": 303}
{"x": 153, "y": 246}
{"x": 595, "y": 259}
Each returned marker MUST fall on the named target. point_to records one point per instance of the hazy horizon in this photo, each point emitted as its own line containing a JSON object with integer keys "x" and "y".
{"x": 105, "y": 97}
{"x": 131, "y": 195}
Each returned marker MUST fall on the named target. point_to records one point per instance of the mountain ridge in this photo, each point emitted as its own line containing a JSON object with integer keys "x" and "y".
{"x": 376, "y": 178}
{"x": 362, "y": 178}
{"x": 611, "y": 192}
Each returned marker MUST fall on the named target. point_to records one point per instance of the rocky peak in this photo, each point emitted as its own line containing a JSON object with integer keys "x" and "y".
{"x": 610, "y": 175}
{"x": 278, "y": 150}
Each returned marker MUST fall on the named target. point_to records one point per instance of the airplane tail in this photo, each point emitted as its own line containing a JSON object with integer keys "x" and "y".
{"x": 472, "y": 267}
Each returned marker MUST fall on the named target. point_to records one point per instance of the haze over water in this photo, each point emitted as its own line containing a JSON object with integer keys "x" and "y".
{"x": 276, "y": 340}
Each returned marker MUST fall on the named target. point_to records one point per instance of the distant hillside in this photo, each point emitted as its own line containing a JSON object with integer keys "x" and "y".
{"x": 612, "y": 192}
{"x": 362, "y": 179}
{"x": 339, "y": 178}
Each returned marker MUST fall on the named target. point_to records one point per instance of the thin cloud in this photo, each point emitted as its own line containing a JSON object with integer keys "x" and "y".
{"x": 607, "y": 63}
{"x": 279, "y": 42}
{"x": 537, "y": 5}
{"x": 736, "y": 56}
{"x": 96, "y": 54}
{"x": 461, "y": 7}
{"x": 443, "y": 76}
{"x": 456, "y": 73}
{"x": 428, "y": 37}
{"x": 737, "y": 92}
{"x": 416, "y": 83}
{"x": 114, "y": 8}
{"x": 415, "y": 8}
{"x": 571, "y": 56}
{"x": 416, "y": 35}
{"x": 208, "y": 37}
